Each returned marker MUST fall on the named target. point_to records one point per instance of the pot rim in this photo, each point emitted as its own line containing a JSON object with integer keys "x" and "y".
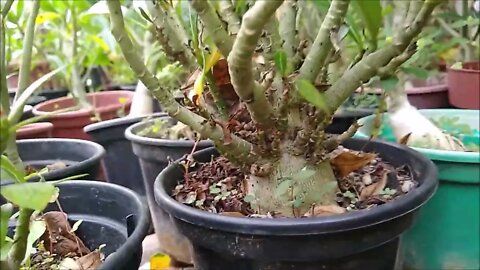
{"x": 99, "y": 153}
{"x": 118, "y": 121}
{"x": 38, "y": 125}
{"x": 465, "y": 70}
{"x": 442, "y": 155}
{"x": 304, "y": 226}
{"x": 82, "y": 112}
{"x": 133, "y": 137}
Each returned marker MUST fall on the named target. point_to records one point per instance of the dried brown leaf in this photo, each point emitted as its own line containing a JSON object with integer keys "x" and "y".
{"x": 375, "y": 188}
{"x": 58, "y": 237}
{"x": 324, "y": 210}
{"x": 93, "y": 260}
{"x": 350, "y": 161}
{"x": 404, "y": 139}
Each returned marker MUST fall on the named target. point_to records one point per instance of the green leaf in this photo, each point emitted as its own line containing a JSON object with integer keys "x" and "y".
{"x": 298, "y": 202}
{"x": 214, "y": 190}
{"x": 29, "y": 195}
{"x": 420, "y": 73}
{"x": 303, "y": 174}
{"x": 37, "y": 228}
{"x": 76, "y": 225}
{"x": 9, "y": 171}
{"x": 283, "y": 187}
{"x": 312, "y": 94}
{"x": 249, "y": 198}
{"x": 145, "y": 15}
{"x": 5, "y": 214}
{"x": 389, "y": 83}
{"x": 371, "y": 13}
{"x": 4, "y": 133}
{"x": 281, "y": 63}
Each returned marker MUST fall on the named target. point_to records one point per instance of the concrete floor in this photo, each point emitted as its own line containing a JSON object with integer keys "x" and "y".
{"x": 150, "y": 247}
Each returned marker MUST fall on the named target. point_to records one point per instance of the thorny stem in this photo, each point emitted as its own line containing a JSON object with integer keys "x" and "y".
{"x": 315, "y": 59}
{"x": 171, "y": 35}
{"x": 237, "y": 147}
{"x": 214, "y": 26}
{"x": 19, "y": 247}
{"x": 240, "y": 62}
{"x": 287, "y": 29}
{"x": 227, "y": 13}
{"x": 24, "y": 73}
{"x": 367, "y": 67}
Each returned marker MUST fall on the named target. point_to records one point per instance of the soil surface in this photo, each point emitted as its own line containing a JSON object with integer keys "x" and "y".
{"x": 364, "y": 181}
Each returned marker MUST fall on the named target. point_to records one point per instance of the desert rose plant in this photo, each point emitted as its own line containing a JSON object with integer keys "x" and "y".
{"x": 280, "y": 63}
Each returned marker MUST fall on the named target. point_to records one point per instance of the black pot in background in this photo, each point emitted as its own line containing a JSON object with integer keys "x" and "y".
{"x": 154, "y": 155}
{"x": 366, "y": 239}
{"x": 111, "y": 215}
{"x": 54, "y": 93}
{"x": 80, "y": 156}
{"x": 344, "y": 118}
{"x": 120, "y": 164}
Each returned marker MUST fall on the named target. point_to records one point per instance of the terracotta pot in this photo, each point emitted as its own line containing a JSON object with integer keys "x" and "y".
{"x": 464, "y": 86}
{"x": 35, "y": 131}
{"x": 426, "y": 94}
{"x": 107, "y": 105}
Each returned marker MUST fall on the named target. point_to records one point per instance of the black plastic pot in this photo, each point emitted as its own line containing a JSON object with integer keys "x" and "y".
{"x": 111, "y": 214}
{"x": 343, "y": 119}
{"x": 81, "y": 157}
{"x": 120, "y": 164}
{"x": 366, "y": 239}
{"x": 154, "y": 155}
{"x": 54, "y": 93}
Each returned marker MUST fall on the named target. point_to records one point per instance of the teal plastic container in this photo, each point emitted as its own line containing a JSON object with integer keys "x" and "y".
{"x": 446, "y": 234}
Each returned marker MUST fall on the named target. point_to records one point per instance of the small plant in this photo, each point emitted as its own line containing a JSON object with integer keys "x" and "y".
{"x": 254, "y": 93}
{"x": 30, "y": 198}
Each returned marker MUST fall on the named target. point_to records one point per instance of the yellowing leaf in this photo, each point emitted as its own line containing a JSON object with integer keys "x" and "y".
{"x": 213, "y": 59}
{"x": 100, "y": 42}
{"x": 199, "y": 85}
{"x": 159, "y": 261}
{"x": 46, "y": 16}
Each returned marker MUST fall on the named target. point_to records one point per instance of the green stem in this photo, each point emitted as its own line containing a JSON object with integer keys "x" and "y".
{"x": 6, "y": 7}
{"x": 227, "y": 13}
{"x": 366, "y": 68}
{"x": 217, "y": 98}
{"x": 3, "y": 69}
{"x": 240, "y": 62}
{"x": 214, "y": 26}
{"x": 19, "y": 247}
{"x": 288, "y": 15}
{"x": 237, "y": 147}
{"x": 24, "y": 73}
{"x": 78, "y": 88}
{"x": 315, "y": 59}
{"x": 171, "y": 35}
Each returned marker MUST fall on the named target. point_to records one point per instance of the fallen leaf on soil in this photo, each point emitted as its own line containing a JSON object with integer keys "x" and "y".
{"x": 324, "y": 210}
{"x": 404, "y": 139}
{"x": 350, "y": 161}
{"x": 90, "y": 261}
{"x": 58, "y": 238}
{"x": 232, "y": 214}
{"x": 375, "y": 188}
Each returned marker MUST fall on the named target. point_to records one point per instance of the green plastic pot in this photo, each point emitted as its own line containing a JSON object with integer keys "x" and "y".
{"x": 447, "y": 232}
